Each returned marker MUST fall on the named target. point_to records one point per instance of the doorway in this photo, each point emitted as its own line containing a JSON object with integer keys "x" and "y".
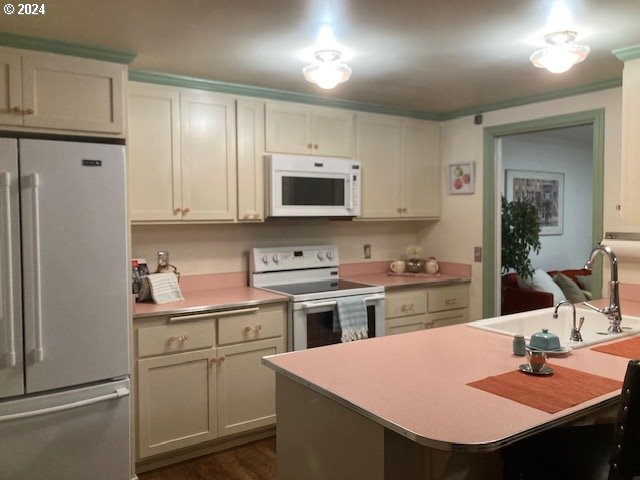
{"x": 502, "y": 139}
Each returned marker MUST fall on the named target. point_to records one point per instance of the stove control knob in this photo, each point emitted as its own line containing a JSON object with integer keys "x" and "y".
{"x": 330, "y": 255}
{"x": 320, "y": 256}
{"x": 276, "y": 259}
{"x": 265, "y": 259}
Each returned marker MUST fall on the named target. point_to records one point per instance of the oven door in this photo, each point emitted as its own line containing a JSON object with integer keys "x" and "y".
{"x": 312, "y": 322}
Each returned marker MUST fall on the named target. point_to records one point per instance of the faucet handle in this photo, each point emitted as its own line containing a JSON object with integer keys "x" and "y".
{"x": 592, "y": 307}
{"x": 580, "y": 322}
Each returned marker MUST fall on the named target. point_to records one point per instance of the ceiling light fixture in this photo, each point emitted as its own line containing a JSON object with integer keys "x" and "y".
{"x": 561, "y": 54}
{"x": 327, "y": 71}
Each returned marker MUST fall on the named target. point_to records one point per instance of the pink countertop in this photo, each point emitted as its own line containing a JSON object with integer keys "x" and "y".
{"x": 399, "y": 281}
{"x": 210, "y": 292}
{"x": 416, "y": 384}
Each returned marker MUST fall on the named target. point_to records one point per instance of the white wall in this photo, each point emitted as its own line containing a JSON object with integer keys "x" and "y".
{"x": 198, "y": 249}
{"x": 460, "y": 228}
{"x": 559, "y": 153}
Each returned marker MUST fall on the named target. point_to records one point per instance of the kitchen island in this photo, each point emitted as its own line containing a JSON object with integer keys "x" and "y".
{"x": 400, "y": 407}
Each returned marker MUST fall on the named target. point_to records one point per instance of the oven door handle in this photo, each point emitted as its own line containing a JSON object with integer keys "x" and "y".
{"x": 333, "y": 303}
{"x": 374, "y": 298}
{"x": 309, "y": 305}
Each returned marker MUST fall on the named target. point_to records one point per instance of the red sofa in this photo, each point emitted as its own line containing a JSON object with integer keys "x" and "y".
{"x": 516, "y": 299}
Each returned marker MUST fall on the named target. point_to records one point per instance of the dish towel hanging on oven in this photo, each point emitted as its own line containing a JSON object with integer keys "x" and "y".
{"x": 352, "y": 315}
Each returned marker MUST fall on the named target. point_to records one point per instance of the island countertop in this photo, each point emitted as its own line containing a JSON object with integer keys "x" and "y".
{"x": 416, "y": 384}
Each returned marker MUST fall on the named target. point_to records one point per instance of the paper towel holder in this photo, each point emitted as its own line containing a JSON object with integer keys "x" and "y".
{"x": 622, "y": 236}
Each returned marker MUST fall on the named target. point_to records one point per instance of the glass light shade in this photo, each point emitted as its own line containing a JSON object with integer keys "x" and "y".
{"x": 561, "y": 54}
{"x": 328, "y": 71}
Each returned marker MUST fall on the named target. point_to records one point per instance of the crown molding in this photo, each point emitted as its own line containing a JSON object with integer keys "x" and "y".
{"x": 160, "y": 78}
{"x": 627, "y": 53}
{"x": 64, "y": 48}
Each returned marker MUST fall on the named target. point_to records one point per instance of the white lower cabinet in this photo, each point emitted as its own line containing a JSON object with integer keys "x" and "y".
{"x": 200, "y": 377}
{"x": 415, "y": 308}
{"x": 176, "y": 394}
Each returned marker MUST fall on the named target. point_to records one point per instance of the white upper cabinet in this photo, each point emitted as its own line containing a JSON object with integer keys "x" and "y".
{"x": 208, "y": 156}
{"x": 304, "y": 129}
{"x": 56, "y": 92}
{"x": 400, "y": 167}
{"x": 250, "y": 128}
{"x": 378, "y": 147}
{"x": 630, "y": 170}
{"x": 182, "y": 155}
{"x": 154, "y": 153}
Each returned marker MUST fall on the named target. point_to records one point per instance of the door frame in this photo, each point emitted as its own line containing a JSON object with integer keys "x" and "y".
{"x": 491, "y": 195}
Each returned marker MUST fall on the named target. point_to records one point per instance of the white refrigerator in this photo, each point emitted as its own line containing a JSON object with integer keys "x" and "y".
{"x": 64, "y": 311}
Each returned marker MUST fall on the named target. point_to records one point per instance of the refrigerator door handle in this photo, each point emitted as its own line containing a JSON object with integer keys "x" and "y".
{"x": 37, "y": 284}
{"x": 7, "y": 280}
{"x": 119, "y": 393}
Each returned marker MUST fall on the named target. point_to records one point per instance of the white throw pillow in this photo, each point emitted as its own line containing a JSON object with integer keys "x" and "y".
{"x": 542, "y": 282}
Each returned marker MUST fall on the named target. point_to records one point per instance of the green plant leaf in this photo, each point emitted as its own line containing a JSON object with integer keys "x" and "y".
{"x": 520, "y": 236}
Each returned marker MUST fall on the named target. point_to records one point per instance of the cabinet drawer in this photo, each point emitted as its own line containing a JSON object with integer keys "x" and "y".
{"x": 266, "y": 322}
{"x": 176, "y": 338}
{"x": 447, "y": 317}
{"x": 412, "y": 323}
{"x": 448, "y": 298}
{"x": 405, "y": 303}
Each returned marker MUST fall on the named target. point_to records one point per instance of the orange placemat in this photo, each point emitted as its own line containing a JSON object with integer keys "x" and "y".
{"x": 629, "y": 348}
{"x": 565, "y": 388}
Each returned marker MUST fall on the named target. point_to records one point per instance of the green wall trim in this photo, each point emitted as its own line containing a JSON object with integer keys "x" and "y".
{"x": 272, "y": 94}
{"x": 489, "y": 271}
{"x": 567, "y": 92}
{"x": 55, "y": 46}
{"x": 628, "y": 53}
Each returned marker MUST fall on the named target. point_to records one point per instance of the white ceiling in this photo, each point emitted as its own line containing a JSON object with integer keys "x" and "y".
{"x": 427, "y": 55}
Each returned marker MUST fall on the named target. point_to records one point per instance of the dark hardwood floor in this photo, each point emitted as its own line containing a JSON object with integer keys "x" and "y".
{"x": 253, "y": 461}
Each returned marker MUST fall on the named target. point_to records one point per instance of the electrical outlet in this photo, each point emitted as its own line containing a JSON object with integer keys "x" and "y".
{"x": 477, "y": 254}
{"x": 367, "y": 251}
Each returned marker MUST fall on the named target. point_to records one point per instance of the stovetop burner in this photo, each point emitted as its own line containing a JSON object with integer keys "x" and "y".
{"x": 317, "y": 287}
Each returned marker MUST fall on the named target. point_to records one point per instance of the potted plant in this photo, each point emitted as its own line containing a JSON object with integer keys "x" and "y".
{"x": 520, "y": 236}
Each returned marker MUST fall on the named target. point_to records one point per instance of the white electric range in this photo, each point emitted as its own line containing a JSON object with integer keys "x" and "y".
{"x": 309, "y": 276}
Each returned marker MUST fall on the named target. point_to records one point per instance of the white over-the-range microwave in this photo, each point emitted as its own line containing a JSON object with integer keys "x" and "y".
{"x": 306, "y": 186}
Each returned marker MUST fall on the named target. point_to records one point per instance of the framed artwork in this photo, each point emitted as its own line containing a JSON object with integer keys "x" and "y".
{"x": 546, "y": 190}
{"x": 462, "y": 178}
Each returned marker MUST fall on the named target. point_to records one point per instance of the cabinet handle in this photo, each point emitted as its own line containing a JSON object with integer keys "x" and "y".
{"x": 411, "y": 306}
{"x": 257, "y": 216}
{"x": 315, "y": 147}
{"x": 403, "y": 308}
{"x": 450, "y": 301}
{"x": 177, "y": 210}
{"x": 16, "y": 110}
{"x": 247, "y": 329}
{"x": 404, "y": 210}
{"x": 181, "y": 339}
{"x": 309, "y": 145}
{"x": 28, "y": 111}
{"x": 256, "y": 329}
{"x": 217, "y": 361}
{"x": 399, "y": 210}
{"x": 186, "y": 210}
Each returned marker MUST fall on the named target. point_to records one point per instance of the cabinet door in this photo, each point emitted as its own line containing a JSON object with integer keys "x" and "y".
{"x": 154, "y": 153}
{"x": 288, "y": 128}
{"x": 208, "y": 156}
{"x": 378, "y": 140}
{"x": 73, "y": 93}
{"x": 630, "y": 192}
{"x": 421, "y": 182}
{"x": 246, "y": 388}
{"x": 10, "y": 89}
{"x": 176, "y": 401}
{"x": 332, "y": 132}
{"x": 250, "y": 127}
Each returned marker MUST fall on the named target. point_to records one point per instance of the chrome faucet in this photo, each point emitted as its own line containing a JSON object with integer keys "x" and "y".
{"x": 576, "y": 336}
{"x": 613, "y": 310}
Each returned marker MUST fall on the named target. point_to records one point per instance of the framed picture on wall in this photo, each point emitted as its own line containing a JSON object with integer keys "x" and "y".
{"x": 462, "y": 178}
{"x": 545, "y": 190}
